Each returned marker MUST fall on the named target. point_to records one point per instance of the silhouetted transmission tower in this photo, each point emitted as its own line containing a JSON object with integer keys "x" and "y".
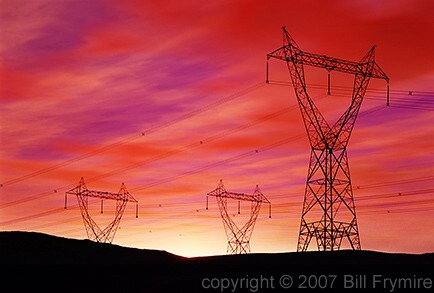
{"x": 94, "y": 232}
{"x": 238, "y": 238}
{"x": 329, "y": 213}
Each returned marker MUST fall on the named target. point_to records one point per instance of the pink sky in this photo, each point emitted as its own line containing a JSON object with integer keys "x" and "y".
{"x": 82, "y": 80}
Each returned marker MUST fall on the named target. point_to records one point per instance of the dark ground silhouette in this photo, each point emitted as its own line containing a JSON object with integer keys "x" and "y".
{"x": 36, "y": 262}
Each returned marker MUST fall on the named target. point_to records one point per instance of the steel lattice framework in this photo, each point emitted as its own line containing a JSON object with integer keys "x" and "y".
{"x": 94, "y": 232}
{"x": 238, "y": 238}
{"x": 329, "y": 213}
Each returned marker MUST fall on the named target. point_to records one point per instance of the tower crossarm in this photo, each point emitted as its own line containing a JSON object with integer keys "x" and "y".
{"x": 328, "y": 63}
{"x": 290, "y": 52}
{"x": 241, "y": 196}
{"x": 105, "y": 195}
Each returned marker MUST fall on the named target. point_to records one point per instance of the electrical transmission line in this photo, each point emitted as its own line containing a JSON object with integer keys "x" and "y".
{"x": 172, "y": 178}
{"x": 177, "y": 176}
{"x": 162, "y": 156}
{"x": 422, "y": 104}
{"x": 133, "y": 137}
{"x": 329, "y": 213}
{"x": 280, "y": 208}
{"x": 418, "y": 99}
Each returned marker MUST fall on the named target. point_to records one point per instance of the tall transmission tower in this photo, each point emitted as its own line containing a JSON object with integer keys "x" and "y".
{"x": 329, "y": 213}
{"x": 238, "y": 238}
{"x": 94, "y": 232}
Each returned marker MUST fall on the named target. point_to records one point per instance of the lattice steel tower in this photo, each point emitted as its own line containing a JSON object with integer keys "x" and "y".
{"x": 94, "y": 232}
{"x": 238, "y": 238}
{"x": 329, "y": 213}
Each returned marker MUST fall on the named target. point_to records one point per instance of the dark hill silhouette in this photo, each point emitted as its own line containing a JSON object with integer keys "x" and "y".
{"x": 40, "y": 262}
{"x": 31, "y": 248}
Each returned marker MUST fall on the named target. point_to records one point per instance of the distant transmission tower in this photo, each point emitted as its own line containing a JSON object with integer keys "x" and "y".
{"x": 329, "y": 213}
{"x": 238, "y": 238}
{"x": 94, "y": 232}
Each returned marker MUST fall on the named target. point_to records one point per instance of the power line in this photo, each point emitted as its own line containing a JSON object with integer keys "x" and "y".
{"x": 196, "y": 144}
{"x": 133, "y": 137}
{"x": 175, "y": 177}
{"x": 272, "y": 115}
{"x": 211, "y": 139}
{"x": 277, "y": 206}
{"x": 219, "y": 163}
{"x": 368, "y": 90}
{"x": 395, "y": 101}
{"x": 128, "y": 139}
{"x": 397, "y": 182}
{"x": 165, "y": 155}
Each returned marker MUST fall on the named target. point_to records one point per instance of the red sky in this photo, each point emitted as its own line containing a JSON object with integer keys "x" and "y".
{"x": 82, "y": 80}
